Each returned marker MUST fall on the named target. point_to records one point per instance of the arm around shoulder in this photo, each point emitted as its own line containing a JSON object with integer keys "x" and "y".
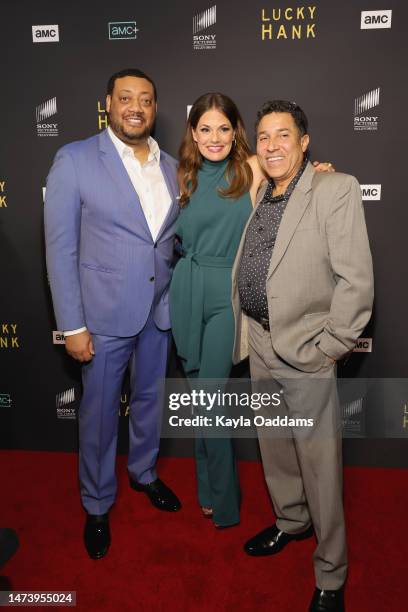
{"x": 258, "y": 177}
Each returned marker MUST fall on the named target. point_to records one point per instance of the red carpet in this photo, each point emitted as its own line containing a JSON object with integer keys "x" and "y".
{"x": 179, "y": 562}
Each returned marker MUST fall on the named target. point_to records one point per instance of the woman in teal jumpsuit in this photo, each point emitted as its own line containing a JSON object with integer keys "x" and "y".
{"x": 215, "y": 179}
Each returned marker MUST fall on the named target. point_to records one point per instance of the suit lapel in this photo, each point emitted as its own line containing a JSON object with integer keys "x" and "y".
{"x": 172, "y": 186}
{"x": 169, "y": 177}
{"x": 295, "y": 209}
{"x": 260, "y": 194}
{"x": 116, "y": 169}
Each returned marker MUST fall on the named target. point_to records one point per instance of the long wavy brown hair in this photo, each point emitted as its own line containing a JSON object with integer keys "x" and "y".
{"x": 238, "y": 172}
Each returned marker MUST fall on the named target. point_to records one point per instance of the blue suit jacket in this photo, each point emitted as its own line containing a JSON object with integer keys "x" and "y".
{"x": 105, "y": 270}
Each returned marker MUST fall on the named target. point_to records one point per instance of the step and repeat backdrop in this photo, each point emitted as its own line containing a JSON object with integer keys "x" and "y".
{"x": 343, "y": 61}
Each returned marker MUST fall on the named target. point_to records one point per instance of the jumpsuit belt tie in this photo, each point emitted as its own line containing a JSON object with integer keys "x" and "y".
{"x": 191, "y": 348}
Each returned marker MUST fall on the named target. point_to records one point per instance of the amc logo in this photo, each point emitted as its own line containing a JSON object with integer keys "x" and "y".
{"x": 364, "y": 345}
{"x": 121, "y": 30}
{"x": 371, "y": 20}
{"x": 5, "y": 400}
{"x": 45, "y": 33}
{"x": 58, "y": 337}
{"x": 370, "y": 192}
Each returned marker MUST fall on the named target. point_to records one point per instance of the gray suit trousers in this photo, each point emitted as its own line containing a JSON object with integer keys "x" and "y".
{"x": 303, "y": 465}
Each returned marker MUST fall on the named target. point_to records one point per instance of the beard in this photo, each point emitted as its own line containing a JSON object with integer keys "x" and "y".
{"x": 125, "y": 135}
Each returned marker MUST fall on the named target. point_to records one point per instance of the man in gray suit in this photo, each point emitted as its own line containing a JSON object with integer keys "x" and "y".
{"x": 302, "y": 294}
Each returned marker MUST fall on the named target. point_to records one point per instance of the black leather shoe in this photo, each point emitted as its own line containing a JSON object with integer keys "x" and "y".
{"x": 323, "y": 600}
{"x": 271, "y": 541}
{"x": 97, "y": 535}
{"x": 159, "y": 494}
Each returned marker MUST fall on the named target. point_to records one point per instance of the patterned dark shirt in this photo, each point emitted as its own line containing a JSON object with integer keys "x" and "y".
{"x": 258, "y": 247}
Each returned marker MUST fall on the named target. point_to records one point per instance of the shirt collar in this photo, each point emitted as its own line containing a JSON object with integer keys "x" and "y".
{"x": 124, "y": 150}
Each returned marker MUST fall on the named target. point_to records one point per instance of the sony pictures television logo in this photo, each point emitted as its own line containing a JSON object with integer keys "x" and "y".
{"x": 375, "y": 20}
{"x": 43, "y": 112}
{"x": 63, "y": 401}
{"x": 353, "y": 418}
{"x": 122, "y": 30}
{"x": 201, "y": 23}
{"x": 366, "y": 119}
{"x": 45, "y": 33}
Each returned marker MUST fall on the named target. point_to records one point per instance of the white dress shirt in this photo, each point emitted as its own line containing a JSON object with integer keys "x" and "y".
{"x": 149, "y": 184}
{"x": 148, "y": 181}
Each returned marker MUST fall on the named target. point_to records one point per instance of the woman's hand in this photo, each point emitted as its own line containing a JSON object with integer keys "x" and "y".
{"x": 323, "y": 166}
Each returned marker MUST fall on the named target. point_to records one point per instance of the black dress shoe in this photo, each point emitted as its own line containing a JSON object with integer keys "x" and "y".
{"x": 323, "y": 600}
{"x": 97, "y": 535}
{"x": 159, "y": 494}
{"x": 271, "y": 541}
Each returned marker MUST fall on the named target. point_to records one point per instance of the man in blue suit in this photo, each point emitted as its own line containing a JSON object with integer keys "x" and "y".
{"x": 110, "y": 208}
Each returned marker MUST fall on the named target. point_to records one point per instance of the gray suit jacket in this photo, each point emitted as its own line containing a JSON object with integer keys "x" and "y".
{"x": 320, "y": 279}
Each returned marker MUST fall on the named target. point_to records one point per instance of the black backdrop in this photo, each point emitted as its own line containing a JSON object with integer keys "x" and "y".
{"x": 350, "y": 80}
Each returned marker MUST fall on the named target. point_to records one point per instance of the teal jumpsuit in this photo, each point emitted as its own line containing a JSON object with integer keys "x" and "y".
{"x": 210, "y": 228}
